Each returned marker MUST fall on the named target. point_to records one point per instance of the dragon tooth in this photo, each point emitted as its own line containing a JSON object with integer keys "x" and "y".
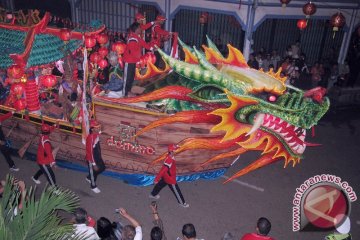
{"x": 296, "y": 128}
{"x": 296, "y": 147}
{"x": 266, "y": 124}
{"x": 257, "y": 123}
{"x": 288, "y": 139}
{"x": 281, "y": 121}
{"x": 292, "y": 144}
{"x": 279, "y": 130}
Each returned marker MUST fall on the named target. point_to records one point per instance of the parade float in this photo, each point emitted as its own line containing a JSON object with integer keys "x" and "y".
{"x": 214, "y": 108}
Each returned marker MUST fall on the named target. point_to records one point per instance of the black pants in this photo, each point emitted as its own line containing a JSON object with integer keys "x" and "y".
{"x": 6, "y": 152}
{"x": 129, "y": 76}
{"x": 94, "y": 174}
{"x": 173, "y": 187}
{"x": 49, "y": 173}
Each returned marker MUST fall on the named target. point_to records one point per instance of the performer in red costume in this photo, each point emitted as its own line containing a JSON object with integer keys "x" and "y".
{"x": 93, "y": 155}
{"x": 132, "y": 55}
{"x": 45, "y": 158}
{"x": 139, "y": 18}
{"x": 5, "y": 144}
{"x": 158, "y": 36}
{"x": 167, "y": 176}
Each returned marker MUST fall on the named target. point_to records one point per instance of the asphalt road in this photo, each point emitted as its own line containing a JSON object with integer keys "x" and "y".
{"x": 216, "y": 208}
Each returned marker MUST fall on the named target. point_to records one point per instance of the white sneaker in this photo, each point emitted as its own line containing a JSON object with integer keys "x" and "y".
{"x": 96, "y": 190}
{"x": 14, "y": 169}
{"x": 88, "y": 180}
{"x": 185, "y": 205}
{"x": 35, "y": 181}
{"x": 154, "y": 197}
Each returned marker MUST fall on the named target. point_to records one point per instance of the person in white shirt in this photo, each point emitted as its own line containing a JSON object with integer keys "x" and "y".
{"x": 133, "y": 231}
{"x": 81, "y": 229}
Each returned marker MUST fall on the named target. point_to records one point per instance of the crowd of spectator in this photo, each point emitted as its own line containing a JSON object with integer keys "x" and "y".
{"x": 294, "y": 65}
{"x": 129, "y": 228}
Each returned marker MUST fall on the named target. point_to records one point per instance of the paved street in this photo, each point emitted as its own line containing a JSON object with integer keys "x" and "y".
{"x": 234, "y": 207}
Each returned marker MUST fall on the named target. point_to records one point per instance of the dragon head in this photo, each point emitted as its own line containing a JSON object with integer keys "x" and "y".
{"x": 262, "y": 112}
{"x": 254, "y": 109}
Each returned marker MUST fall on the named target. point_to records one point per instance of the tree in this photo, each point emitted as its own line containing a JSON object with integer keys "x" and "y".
{"x": 22, "y": 216}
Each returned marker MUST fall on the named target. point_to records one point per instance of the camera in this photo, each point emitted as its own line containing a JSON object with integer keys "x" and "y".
{"x": 117, "y": 210}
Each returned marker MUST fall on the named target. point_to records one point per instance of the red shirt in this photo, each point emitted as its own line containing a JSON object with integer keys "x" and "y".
{"x": 44, "y": 152}
{"x": 254, "y": 236}
{"x": 134, "y": 45}
{"x": 158, "y": 34}
{"x": 168, "y": 171}
{"x": 91, "y": 141}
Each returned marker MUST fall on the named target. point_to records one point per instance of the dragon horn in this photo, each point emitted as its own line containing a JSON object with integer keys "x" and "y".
{"x": 212, "y": 45}
{"x": 183, "y": 45}
{"x": 196, "y": 72}
{"x": 203, "y": 62}
{"x": 189, "y": 53}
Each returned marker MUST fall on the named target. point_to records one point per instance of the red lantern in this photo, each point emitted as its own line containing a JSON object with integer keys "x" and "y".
{"x": 18, "y": 89}
{"x": 337, "y": 21}
{"x": 15, "y": 71}
{"x": 90, "y": 42}
{"x": 65, "y": 34}
{"x": 309, "y": 9}
{"x": 284, "y": 3}
{"x": 95, "y": 57}
{"x": 301, "y": 24}
{"x": 20, "y": 104}
{"x": 203, "y": 18}
{"x": 48, "y": 80}
{"x": 102, "y": 39}
{"x": 102, "y": 63}
{"x": 103, "y": 51}
{"x": 118, "y": 47}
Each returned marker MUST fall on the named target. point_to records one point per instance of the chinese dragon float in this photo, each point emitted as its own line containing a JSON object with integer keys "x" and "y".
{"x": 214, "y": 108}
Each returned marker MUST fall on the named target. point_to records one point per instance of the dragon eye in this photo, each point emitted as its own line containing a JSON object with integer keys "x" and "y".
{"x": 272, "y": 98}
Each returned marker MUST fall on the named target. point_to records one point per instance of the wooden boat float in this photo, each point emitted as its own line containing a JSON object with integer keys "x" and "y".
{"x": 123, "y": 153}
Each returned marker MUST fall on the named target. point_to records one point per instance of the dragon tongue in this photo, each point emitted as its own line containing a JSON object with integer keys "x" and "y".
{"x": 259, "y": 119}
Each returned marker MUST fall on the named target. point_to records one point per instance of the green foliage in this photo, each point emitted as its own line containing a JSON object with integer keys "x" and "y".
{"x": 39, "y": 217}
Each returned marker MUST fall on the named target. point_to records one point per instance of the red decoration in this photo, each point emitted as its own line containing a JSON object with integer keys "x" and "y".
{"x": 118, "y": 47}
{"x": 103, "y": 51}
{"x": 32, "y": 95}
{"x": 284, "y": 3}
{"x": 15, "y": 71}
{"x": 90, "y": 42}
{"x": 309, "y": 9}
{"x": 337, "y": 21}
{"x": 18, "y": 89}
{"x": 121, "y": 62}
{"x": 102, "y": 63}
{"x": 95, "y": 57}
{"x": 65, "y": 34}
{"x": 204, "y": 17}
{"x": 48, "y": 80}
{"x": 102, "y": 39}
{"x": 20, "y": 104}
{"x": 301, "y": 24}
